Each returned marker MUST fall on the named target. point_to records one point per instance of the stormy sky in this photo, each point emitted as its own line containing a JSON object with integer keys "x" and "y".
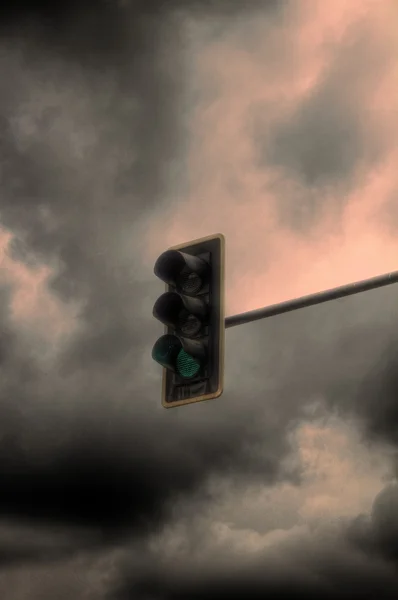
{"x": 126, "y": 127}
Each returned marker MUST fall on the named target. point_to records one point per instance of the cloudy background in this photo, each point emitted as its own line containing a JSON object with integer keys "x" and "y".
{"x": 126, "y": 127}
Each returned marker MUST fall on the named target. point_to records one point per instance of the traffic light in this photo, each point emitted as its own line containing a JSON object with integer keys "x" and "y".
{"x": 191, "y": 351}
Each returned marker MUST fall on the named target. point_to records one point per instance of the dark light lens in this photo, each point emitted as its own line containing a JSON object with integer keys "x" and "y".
{"x": 188, "y": 324}
{"x": 189, "y": 282}
{"x": 187, "y": 366}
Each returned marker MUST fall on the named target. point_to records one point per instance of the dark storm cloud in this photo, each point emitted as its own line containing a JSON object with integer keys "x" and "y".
{"x": 344, "y": 352}
{"x": 72, "y": 212}
{"x": 322, "y": 141}
{"x": 353, "y": 559}
{"x": 90, "y": 448}
{"x": 62, "y": 13}
{"x": 339, "y": 583}
{"x": 94, "y": 450}
{"x": 377, "y": 397}
{"x": 126, "y": 66}
{"x": 117, "y": 482}
{"x": 328, "y": 136}
{"x": 377, "y": 534}
{"x": 21, "y": 545}
{"x": 84, "y": 443}
{"x": 90, "y": 128}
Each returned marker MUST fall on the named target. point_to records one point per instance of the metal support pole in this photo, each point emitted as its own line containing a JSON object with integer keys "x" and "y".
{"x": 312, "y": 299}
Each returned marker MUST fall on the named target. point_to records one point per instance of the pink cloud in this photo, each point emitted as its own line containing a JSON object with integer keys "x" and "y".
{"x": 33, "y": 308}
{"x": 268, "y": 262}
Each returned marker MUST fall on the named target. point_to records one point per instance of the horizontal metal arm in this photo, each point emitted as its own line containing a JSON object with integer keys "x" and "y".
{"x": 312, "y": 299}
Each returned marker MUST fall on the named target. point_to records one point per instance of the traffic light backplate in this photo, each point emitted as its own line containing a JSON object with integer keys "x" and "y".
{"x": 209, "y": 306}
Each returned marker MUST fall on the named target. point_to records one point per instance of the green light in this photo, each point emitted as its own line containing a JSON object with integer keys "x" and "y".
{"x": 187, "y": 366}
{"x": 169, "y": 353}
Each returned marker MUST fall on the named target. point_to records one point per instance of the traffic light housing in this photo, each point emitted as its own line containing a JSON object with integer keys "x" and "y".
{"x": 191, "y": 351}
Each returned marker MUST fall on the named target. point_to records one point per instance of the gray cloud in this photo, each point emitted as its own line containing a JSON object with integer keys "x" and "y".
{"x": 328, "y": 139}
{"x": 376, "y": 534}
{"x": 21, "y": 544}
{"x": 86, "y": 157}
{"x": 92, "y": 128}
{"x": 344, "y": 560}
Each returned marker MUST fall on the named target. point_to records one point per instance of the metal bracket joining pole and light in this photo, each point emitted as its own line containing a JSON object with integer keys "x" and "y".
{"x": 312, "y": 299}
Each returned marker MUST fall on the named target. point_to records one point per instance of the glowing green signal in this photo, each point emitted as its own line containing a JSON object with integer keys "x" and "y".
{"x": 187, "y": 366}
